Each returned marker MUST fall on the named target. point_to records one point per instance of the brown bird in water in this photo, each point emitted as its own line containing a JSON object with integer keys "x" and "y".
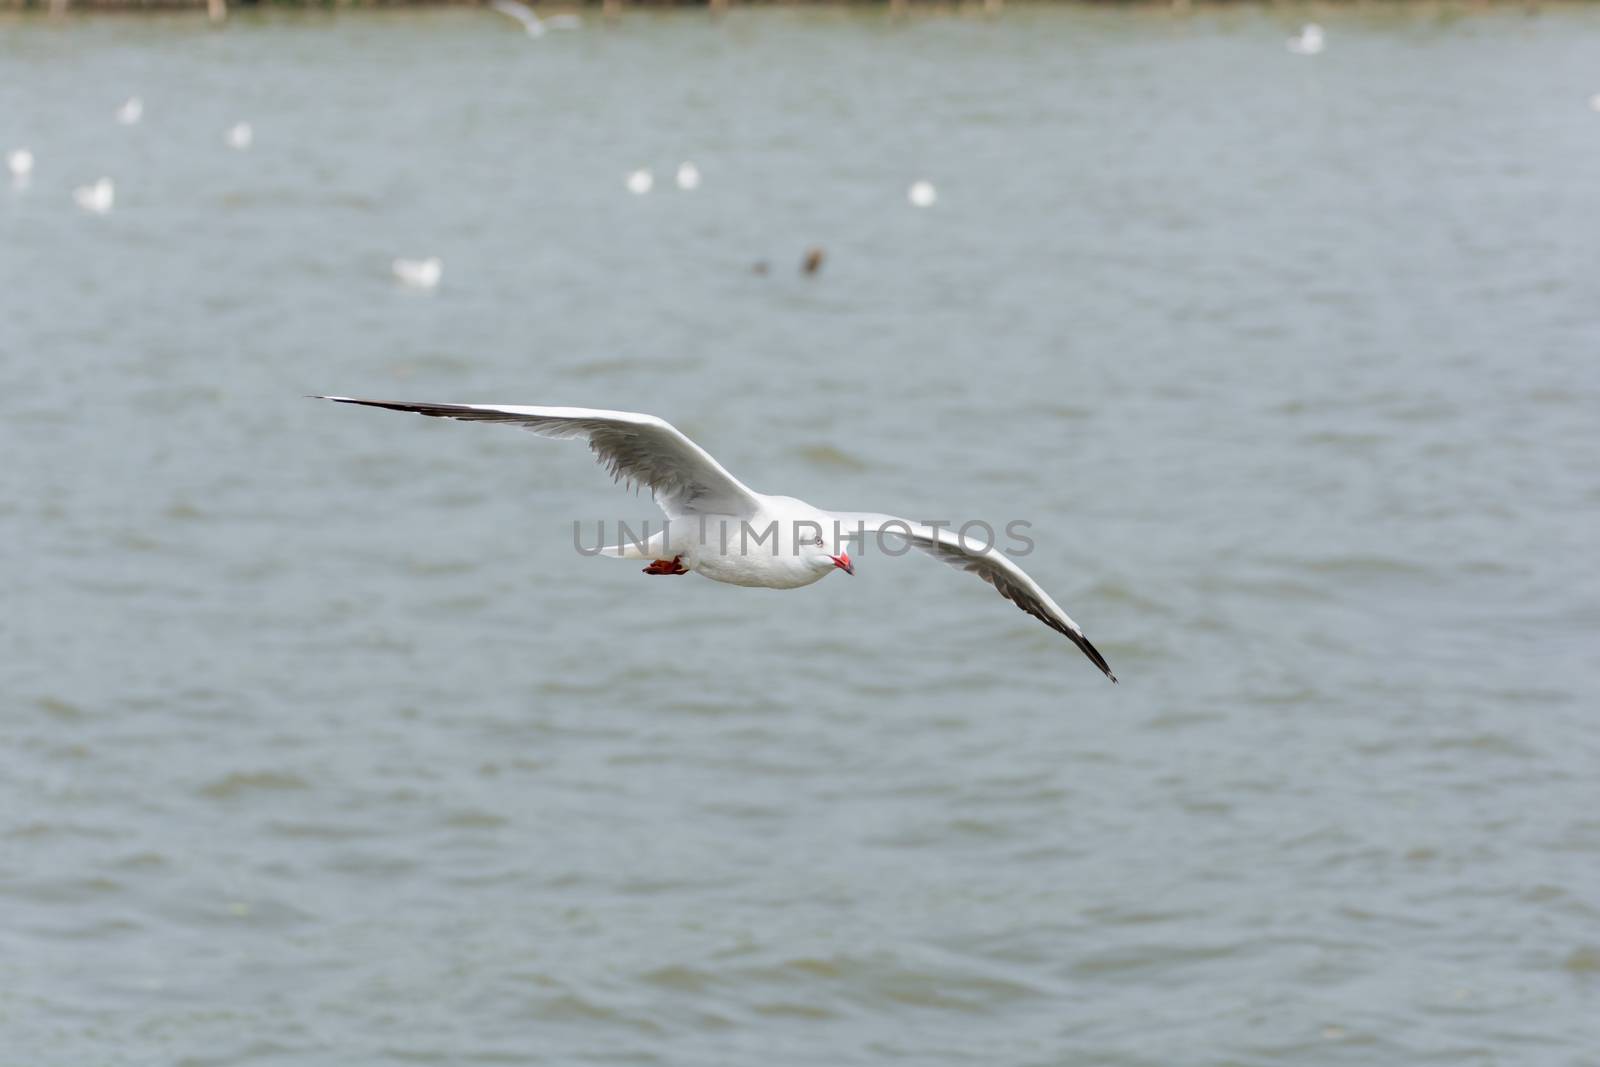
{"x": 813, "y": 261}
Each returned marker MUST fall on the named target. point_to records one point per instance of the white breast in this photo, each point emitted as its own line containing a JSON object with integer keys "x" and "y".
{"x": 780, "y": 572}
{"x": 753, "y": 552}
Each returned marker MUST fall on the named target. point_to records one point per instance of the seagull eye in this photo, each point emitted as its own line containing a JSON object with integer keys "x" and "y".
{"x": 819, "y": 542}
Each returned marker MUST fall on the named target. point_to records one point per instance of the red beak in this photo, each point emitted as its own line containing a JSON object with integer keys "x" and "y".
{"x": 842, "y": 561}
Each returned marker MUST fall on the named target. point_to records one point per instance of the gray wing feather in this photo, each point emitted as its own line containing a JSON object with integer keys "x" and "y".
{"x": 993, "y": 566}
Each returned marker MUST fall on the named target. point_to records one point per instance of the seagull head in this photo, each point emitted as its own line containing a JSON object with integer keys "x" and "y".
{"x": 815, "y": 550}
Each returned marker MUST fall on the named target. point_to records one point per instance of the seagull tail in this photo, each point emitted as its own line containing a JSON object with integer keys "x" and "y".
{"x": 651, "y": 548}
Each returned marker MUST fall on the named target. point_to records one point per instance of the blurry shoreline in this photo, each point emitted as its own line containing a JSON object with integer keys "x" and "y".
{"x": 218, "y": 9}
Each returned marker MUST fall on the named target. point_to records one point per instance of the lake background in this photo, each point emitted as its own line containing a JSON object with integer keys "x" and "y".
{"x": 320, "y": 744}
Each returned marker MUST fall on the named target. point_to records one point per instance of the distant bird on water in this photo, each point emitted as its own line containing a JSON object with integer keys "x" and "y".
{"x": 419, "y": 273}
{"x": 523, "y": 14}
{"x": 709, "y": 512}
{"x": 19, "y": 161}
{"x": 640, "y": 182}
{"x": 922, "y": 194}
{"x": 813, "y": 261}
{"x": 688, "y": 176}
{"x": 239, "y": 136}
{"x": 1308, "y": 42}
{"x": 96, "y": 199}
{"x": 1594, "y": 102}
{"x": 131, "y": 111}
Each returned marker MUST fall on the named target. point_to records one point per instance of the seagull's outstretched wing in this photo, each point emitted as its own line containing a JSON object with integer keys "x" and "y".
{"x": 992, "y": 565}
{"x": 522, "y": 13}
{"x": 636, "y": 448}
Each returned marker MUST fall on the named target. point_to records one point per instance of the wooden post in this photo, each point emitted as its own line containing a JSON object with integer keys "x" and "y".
{"x": 217, "y": 9}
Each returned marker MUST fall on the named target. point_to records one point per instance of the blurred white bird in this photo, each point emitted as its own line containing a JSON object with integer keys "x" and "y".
{"x": 131, "y": 111}
{"x": 523, "y": 14}
{"x": 566, "y": 21}
{"x": 19, "y": 161}
{"x": 97, "y": 198}
{"x": 420, "y": 273}
{"x": 641, "y": 182}
{"x": 1594, "y": 102}
{"x": 240, "y": 136}
{"x": 1308, "y": 42}
{"x": 922, "y": 194}
{"x": 688, "y": 176}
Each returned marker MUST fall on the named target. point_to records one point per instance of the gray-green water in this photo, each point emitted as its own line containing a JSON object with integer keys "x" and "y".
{"x": 320, "y": 745}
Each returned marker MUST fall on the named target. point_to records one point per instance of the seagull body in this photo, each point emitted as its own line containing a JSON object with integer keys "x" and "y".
{"x": 1309, "y": 41}
{"x": 240, "y": 136}
{"x": 419, "y": 273}
{"x": 922, "y": 194}
{"x": 98, "y": 198}
{"x": 19, "y": 161}
{"x": 131, "y": 111}
{"x": 688, "y": 176}
{"x": 640, "y": 182}
{"x": 523, "y": 14}
{"x": 721, "y": 529}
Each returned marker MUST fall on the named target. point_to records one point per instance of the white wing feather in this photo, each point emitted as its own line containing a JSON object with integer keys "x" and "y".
{"x": 636, "y": 448}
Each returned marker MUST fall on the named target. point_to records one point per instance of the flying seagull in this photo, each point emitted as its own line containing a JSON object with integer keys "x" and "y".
{"x": 531, "y": 23}
{"x": 703, "y": 502}
{"x": 1309, "y": 42}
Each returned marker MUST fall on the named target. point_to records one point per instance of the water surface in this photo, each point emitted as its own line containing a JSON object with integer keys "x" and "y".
{"x": 319, "y": 744}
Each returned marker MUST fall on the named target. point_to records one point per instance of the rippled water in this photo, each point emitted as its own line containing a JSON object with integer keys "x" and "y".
{"x": 319, "y": 744}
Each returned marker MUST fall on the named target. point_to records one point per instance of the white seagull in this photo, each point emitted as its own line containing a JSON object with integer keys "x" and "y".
{"x": 1309, "y": 42}
{"x": 131, "y": 111}
{"x": 98, "y": 198}
{"x": 523, "y": 14}
{"x": 239, "y": 136}
{"x": 419, "y": 273}
{"x": 640, "y": 182}
{"x": 19, "y": 161}
{"x": 688, "y": 176}
{"x": 922, "y": 194}
{"x": 712, "y": 515}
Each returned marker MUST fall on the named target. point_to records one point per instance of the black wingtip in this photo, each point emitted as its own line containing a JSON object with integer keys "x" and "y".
{"x": 1094, "y": 655}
